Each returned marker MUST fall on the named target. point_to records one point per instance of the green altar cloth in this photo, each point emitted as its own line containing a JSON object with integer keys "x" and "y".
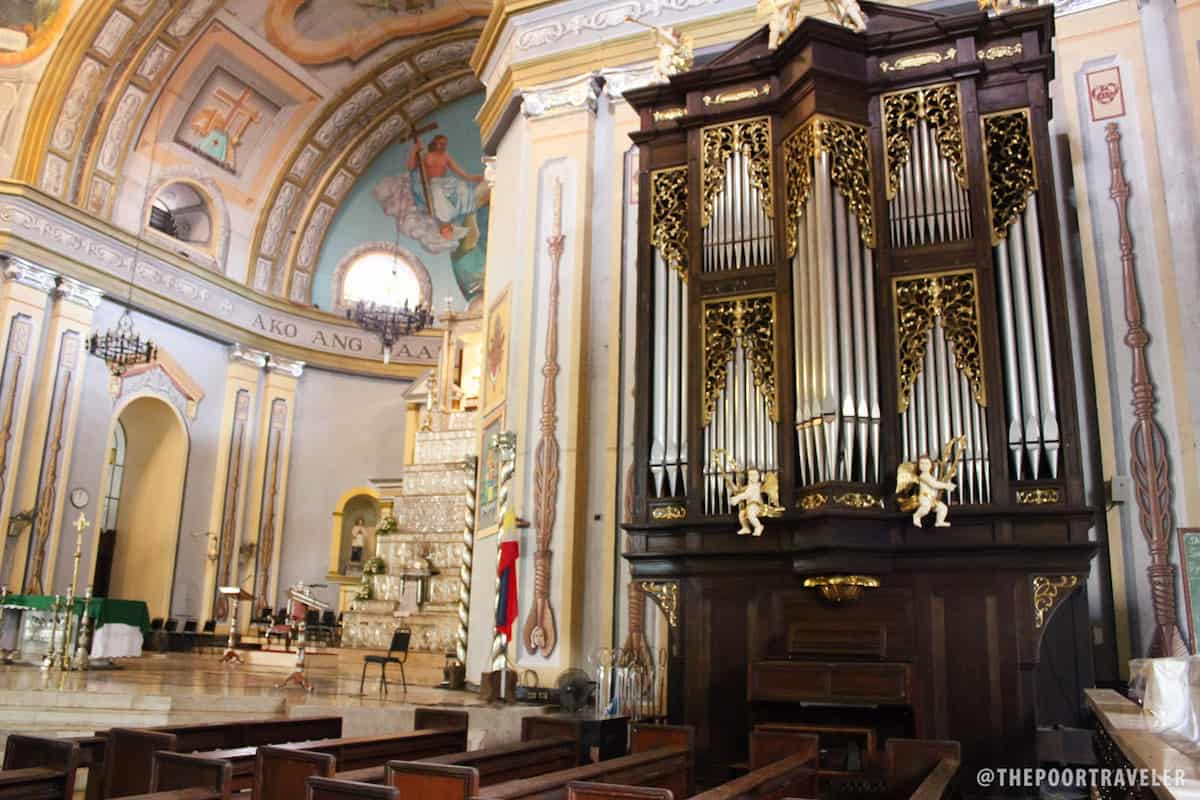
{"x": 102, "y": 610}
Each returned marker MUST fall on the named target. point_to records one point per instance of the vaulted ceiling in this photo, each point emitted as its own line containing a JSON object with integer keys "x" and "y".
{"x": 273, "y": 109}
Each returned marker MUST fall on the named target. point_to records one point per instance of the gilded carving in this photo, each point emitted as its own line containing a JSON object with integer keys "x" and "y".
{"x": 1041, "y": 495}
{"x": 666, "y": 594}
{"x": 921, "y": 299}
{"x": 1011, "y": 174}
{"x": 849, "y": 170}
{"x": 863, "y": 500}
{"x": 749, "y": 321}
{"x": 668, "y": 512}
{"x": 999, "y": 51}
{"x": 737, "y": 95}
{"x": 751, "y": 138}
{"x": 1046, "y": 590}
{"x": 811, "y": 502}
{"x": 668, "y": 114}
{"x": 668, "y": 216}
{"x": 941, "y": 107}
{"x": 915, "y": 60}
{"x": 841, "y": 588}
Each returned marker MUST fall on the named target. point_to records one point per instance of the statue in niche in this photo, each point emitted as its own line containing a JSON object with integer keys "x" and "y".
{"x": 920, "y": 483}
{"x": 358, "y": 542}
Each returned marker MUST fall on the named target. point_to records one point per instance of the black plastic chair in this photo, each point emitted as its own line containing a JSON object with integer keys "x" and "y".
{"x": 400, "y": 639}
{"x": 280, "y": 629}
{"x": 189, "y": 626}
{"x": 156, "y": 624}
{"x": 328, "y": 626}
{"x": 208, "y": 634}
{"x": 172, "y": 625}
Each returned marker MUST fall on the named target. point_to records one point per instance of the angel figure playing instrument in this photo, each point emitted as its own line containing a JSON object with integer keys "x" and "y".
{"x": 848, "y": 14}
{"x": 784, "y": 17}
{"x": 920, "y": 483}
{"x": 676, "y": 50}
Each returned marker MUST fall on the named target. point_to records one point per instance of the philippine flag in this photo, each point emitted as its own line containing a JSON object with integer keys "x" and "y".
{"x": 506, "y": 574}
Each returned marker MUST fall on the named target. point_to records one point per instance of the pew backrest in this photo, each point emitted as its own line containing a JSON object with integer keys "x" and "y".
{"x": 643, "y": 737}
{"x": 909, "y": 761}
{"x": 938, "y": 782}
{"x": 38, "y": 767}
{"x": 129, "y": 759}
{"x": 768, "y": 745}
{"x": 494, "y": 764}
{"x": 174, "y": 771}
{"x": 664, "y": 768}
{"x": 432, "y": 781}
{"x": 286, "y": 777}
{"x": 606, "y": 791}
{"x": 330, "y": 789}
{"x": 793, "y": 776}
{"x": 426, "y": 718}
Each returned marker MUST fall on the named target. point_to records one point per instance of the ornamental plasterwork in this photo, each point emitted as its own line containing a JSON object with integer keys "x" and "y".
{"x": 620, "y": 80}
{"x": 330, "y": 139}
{"x": 102, "y": 80}
{"x": 560, "y": 97}
{"x": 215, "y": 256}
{"x": 28, "y": 221}
{"x": 586, "y": 23}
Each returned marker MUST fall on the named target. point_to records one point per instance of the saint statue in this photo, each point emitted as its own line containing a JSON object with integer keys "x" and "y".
{"x": 358, "y": 541}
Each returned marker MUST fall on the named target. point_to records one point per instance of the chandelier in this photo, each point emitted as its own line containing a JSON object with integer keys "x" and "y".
{"x": 122, "y": 347}
{"x": 388, "y": 322}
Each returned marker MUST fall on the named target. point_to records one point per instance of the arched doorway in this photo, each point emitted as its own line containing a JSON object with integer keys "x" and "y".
{"x": 144, "y": 511}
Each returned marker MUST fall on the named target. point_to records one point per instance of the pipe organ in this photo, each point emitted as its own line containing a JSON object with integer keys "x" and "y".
{"x": 848, "y": 260}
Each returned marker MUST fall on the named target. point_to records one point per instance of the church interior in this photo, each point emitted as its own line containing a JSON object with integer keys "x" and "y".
{"x": 599, "y": 399}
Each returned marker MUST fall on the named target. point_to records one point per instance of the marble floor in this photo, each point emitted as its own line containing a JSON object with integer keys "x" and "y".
{"x": 177, "y": 688}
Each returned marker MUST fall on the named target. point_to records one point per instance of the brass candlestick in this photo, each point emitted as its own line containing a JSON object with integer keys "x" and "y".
{"x": 84, "y": 650}
{"x": 67, "y": 653}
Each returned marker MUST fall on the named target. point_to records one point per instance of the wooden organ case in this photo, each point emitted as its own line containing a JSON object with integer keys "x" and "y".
{"x": 848, "y": 255}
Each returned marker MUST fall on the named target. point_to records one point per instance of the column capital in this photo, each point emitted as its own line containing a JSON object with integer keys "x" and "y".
{"x": 577, "y": 93}
{"x": 239, "y": 354}
{"x": 79, "y": 293}
{"x": 619, "y": 80}
{"x": 21, "y": 271}
{"x": 285, "y": 366}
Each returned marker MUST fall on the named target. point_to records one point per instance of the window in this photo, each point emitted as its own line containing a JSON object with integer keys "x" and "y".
{"x": 180, "y": 211}
{"x": 116, "y": 471}
{"x": 382, "y": 277}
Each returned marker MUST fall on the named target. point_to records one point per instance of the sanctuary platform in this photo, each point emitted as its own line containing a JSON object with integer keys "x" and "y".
{"x": 178, "y": 688}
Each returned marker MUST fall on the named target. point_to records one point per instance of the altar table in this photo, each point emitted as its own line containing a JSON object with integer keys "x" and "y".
{"x": 118, "y": 626}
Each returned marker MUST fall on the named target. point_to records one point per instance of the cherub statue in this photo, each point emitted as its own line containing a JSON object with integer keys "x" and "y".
{"x": 994, "y": 7}
{"x": 919, "y": 486}
{"x": 676, "y": 50}
{"x": 784, "y": 17}
{"x": 749, "y": 500}
{"x": 848, "y": 14}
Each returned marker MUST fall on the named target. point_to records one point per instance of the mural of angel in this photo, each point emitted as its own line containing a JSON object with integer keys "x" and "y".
{"x": 920, "y": 483}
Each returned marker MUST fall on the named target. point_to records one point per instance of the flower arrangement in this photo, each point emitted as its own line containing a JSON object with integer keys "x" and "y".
{"x": 364, "y": 589}
{"x": 374, "y": 566}
{"x": 387, "y": 524}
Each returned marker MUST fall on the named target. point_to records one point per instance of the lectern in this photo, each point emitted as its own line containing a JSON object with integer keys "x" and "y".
{"x": 300, "y": 602}
{"x": 235, "y": 595}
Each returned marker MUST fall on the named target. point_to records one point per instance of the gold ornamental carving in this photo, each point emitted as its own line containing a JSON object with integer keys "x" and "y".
{"x": 737, "y": 95}
{"x": 1011, "y": 173}
{"x": 668, "y": 216}
{"x": 668, "y": 512}
{"x": 1042, "y": 495}
{"x": 750, "y": 322}
{"x": 916, "y": 60}
{"x": 941, "y": 107}
{"x": 811, "y": 502}
{"x": 998, "y": 51}
{"x": 751, "y": 138}
{"x": 861, "y": 500}
{"x": 666, "y": 594}
{"x": 669, "y": 114}
{"x": 919, "y": 301}
{"x": 849, "y": 170}
{"x": 1046, "y": 591}
{"x": 840, "y": 589}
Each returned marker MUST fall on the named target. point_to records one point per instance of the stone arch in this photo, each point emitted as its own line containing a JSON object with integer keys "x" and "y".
{"x": 216, "y": 255}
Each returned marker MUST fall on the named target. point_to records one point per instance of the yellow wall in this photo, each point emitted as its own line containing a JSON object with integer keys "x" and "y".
{"x": 151, "y": 497}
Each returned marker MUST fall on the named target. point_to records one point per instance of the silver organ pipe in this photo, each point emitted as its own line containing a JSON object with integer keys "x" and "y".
{"x": 668, "y": 416}
{"x": 833, "y": 292}
{"x": 740, "y": 234}
{"x": 942, "y": 406}
{"x": 741, "y": 431}
{"x": 1030, "y": 398}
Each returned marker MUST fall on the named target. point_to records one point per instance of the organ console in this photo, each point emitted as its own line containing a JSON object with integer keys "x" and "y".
{"x": 850, "y": 256}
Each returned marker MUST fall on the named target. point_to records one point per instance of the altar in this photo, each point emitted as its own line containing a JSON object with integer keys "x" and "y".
{"x": 118, "y": 626}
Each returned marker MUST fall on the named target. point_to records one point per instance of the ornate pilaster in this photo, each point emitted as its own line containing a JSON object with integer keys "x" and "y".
{"x": 23, "y": 299}
{"x": 562, "y": 97}
{"x": 229, "y": 499}
{"x": 268, "y": 486}
{"x": 54, "y": 415}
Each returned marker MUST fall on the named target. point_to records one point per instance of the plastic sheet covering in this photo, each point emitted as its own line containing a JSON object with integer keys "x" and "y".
{"x": 1170, "y": 690}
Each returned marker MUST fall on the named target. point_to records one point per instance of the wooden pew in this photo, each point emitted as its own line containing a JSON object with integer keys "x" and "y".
{"x": 910, "y": 762}
{"x": 793, "y": 776}
{"x": 37, "y": 768}
{"x": 133, "y": 748}
{"x": 247, "y": 763}
{"x": 494, "y": 764}
{"x": 328, "y": 789}
{"x": 189, "y": 778}
{"x": 665, "y": 767}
